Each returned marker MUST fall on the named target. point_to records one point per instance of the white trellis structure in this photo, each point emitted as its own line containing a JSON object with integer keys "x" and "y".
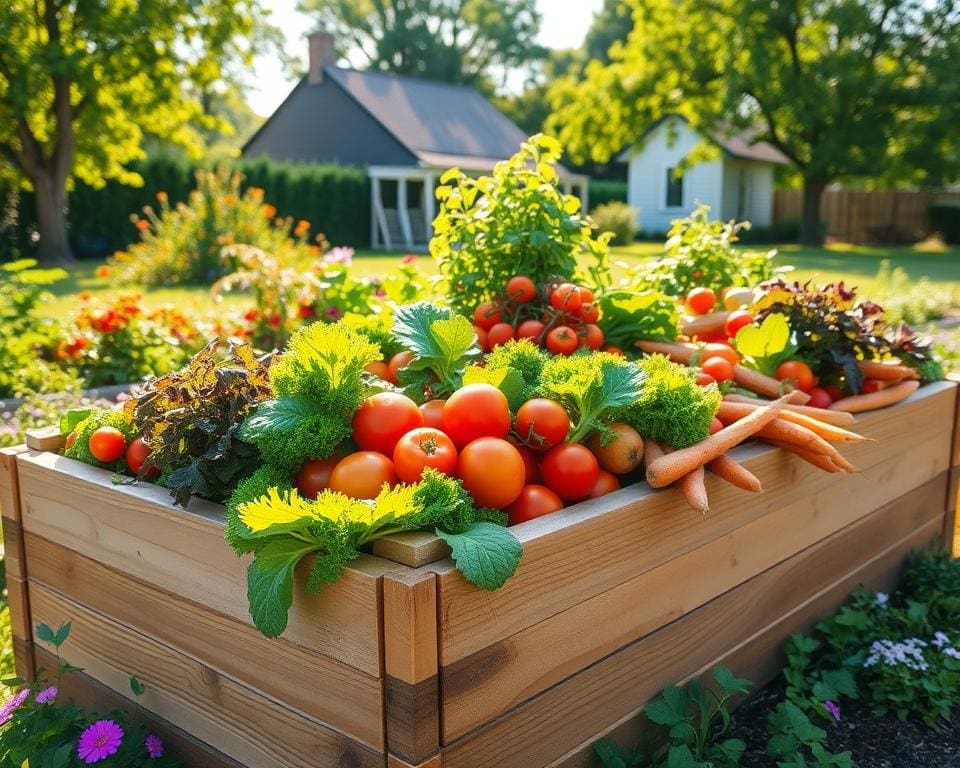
{"x": 403, "y": 205}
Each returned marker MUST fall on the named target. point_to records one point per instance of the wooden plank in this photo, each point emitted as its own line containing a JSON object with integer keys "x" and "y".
{"x": 412, "y": 548}
{"x": 45, "y": 439}
{"x": 564, "y": 716}
{"x": 23, "y": 658}
{"x": 19, "y": 605}
{"x": 243, "y": 724}
{"x": 760, "y": 658}
{"x": 410, "y": 658}
{"x": 951, "y": 521}
{"x": 589, "y": 548}
{"x": 135, "y": 530}
{"x": 396, "y": 762}
{"x": 488, "y": 682}
{"x": 352, "y": 701}
{"x": 10, "y": 511}
{"x": 955, "y": 378}
{"x": 91, "y": 695}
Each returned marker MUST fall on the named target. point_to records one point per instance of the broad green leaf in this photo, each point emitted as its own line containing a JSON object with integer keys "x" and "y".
{"x": 765, "y": 345}
{"x": 669, "y": 708}
{"x": 629, "y": 316}
{"x": 70, "y": 420}
{"x": 729, "y": 682}
{"x": 842, "y": 681}
{"x": 507, "y": 380}
{"x": 486, "y": 554}
{"x": 270, "y": 583}
{"x": 454, "y": 337}
{"x": 609, "y": 754}
{"x": 44, "y": 633}
{"x": 61, "y": 635}
{"x": 412, "y": 325}
{"x": 280, "y": 415}
{"x": 136, "y": 686}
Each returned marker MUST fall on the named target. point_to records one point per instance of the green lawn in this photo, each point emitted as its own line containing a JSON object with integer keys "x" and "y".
{"x": 856, "y": 264}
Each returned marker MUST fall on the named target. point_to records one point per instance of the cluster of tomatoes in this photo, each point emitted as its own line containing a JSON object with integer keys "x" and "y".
{"x": 521, "y": 465}
{"x": 561, "y": 317}
{"x": 109, "y": 445}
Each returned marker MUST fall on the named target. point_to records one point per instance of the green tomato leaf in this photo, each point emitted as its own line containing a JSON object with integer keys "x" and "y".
{"x": 270, "y": 582}
{"x": 486, "y": 554}
{"x": 508, "y": 380}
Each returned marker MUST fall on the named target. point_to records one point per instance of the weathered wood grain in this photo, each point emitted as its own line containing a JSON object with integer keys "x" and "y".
{"x": 955, "y": 378}
{"x": 412, "y": 548}
{"x": 250, "y": 728}
{"x": 19, "y": 608}
{"x": 10, "y": 511}
{"x": 135, "y": 530}
{"x": 45, "y": 439}
{"x": 23, "y": 659}
{"x": 396, "y": 762}
{"x": 352, "y": 701}
{"x": 548, "y": 726}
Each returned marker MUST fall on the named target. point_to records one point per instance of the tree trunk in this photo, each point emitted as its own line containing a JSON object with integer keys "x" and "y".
{"x": 811, "y": 231}
{"x": 50, "y": 195}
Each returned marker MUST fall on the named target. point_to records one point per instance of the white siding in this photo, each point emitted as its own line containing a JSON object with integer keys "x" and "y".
{"x": 761, "y": 209}
{"x": 757, "y": 204}
{"x": 647, "y": 174}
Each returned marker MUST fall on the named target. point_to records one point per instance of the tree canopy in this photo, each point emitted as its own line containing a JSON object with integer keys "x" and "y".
{"x": 82, "y": 82}
{"x": 457, "y": 41}
{"x": 843, "y": 88}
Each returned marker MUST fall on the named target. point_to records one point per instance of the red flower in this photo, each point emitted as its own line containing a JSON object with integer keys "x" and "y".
{"x": 409, "y": 259}
{"x": 103, "y": 272}
{"x": 274, "y": 321}
{"x": 250, "y": 315}
{"x": 306, "y": 311}
{"x": 143, "y": 225}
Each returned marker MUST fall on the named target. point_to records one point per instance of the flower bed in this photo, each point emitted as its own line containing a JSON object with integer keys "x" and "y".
{"x": 614, "y": 598}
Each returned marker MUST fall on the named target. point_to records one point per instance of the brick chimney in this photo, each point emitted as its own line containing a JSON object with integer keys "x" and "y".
{"x": 321, "y": 53}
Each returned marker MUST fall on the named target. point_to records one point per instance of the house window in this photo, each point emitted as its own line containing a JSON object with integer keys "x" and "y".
{"x": 674, "y": 189}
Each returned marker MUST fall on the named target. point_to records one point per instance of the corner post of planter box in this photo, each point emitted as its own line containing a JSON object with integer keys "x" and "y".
{"x": 411, "y": 666}
{"x": 16, "y": 565}
{"x": 952, "y": 531}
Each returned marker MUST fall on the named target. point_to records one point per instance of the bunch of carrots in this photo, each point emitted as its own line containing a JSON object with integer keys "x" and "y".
{"x": 783, "y": 420}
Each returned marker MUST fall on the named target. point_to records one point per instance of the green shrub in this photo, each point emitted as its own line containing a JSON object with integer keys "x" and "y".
{"x": 616, "y": 217}
{"x": 913, "y": 301}
{"x": 945, "y": 219}
{"x": 604, "y": 191}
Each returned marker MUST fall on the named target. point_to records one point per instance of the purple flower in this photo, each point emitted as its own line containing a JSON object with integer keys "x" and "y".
{"x": 154, "y": 746}
{"x": 14, "y": 703}
{"x": 833, "y": 709}
{"x": 7, "y": 415}
{"x": 333, "y": 313}
{"x": 99, "y": 741}
{"x": 47, "y": 695}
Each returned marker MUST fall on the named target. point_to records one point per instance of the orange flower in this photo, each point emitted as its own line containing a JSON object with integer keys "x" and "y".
{"x": 230, "y": 199}
{"x": 143, "y": 225}
{"x": 103, "y": 272}
{"x": 249, "y": 229}
{"x": 302, "y": 226}
{"x": 86, "y": 296}
{"x": 269, "y": 211}
{"x": 162, "y": 196}
{"x": 256, "y": 193}
{"x": 315, "y": 250}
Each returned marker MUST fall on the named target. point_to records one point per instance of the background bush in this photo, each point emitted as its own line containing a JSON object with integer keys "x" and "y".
{"x": 335, "y": 199}
{"x": 616, "y": 217}
{"x": 945, "y": 219}
{"x": 607, "y": 191}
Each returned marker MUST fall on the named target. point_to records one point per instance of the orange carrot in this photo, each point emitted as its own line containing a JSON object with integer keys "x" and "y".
{"x": 668, "y": 469}
{"x": 826, "y": 431}
{"x": 878, "y": 399}
{"x": 837, "y": 418}
{"x": 794, "y": 434}
{"x": 886, "y": 371}
{"x": 701, "y": 324}
{"x": 694, "y": 490}
{"x": 812, "y": 457}
{"x": 734, "y": 473}
{"x": 679, "y": 353}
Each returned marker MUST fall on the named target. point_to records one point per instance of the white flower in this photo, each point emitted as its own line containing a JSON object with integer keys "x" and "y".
{"x": 940, "y": 639}
{"x": 909, "y": 653}
{"x": 882, "y": 599}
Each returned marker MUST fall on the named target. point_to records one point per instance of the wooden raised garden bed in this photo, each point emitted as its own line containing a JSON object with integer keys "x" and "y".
{"x": 403, "y": 663}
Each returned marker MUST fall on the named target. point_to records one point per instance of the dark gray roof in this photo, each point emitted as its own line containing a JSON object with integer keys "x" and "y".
{"x": 433, "y": 120}
{"x": 735, "y": 143}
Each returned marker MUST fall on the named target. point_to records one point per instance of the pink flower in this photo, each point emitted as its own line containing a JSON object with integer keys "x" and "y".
{"x": 154, "y": 746}
{"x": 333, "y": 313}
{"x": 409, "y": 259}
{"x": 47, "y": 695}
{"x": 339, "y": 255}
{"x": 833, "y": 709}
{"x": 7, "y": 711}
{"x": 99, "y": 741}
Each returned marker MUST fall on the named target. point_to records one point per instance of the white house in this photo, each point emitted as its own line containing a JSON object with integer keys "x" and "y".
{"x": 737, "y": 185}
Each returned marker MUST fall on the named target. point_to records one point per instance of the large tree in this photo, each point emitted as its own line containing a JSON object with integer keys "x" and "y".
{"x": 457, "y": 41}
{"x": 83, "y": 81}
{"x": 844, "y": 88}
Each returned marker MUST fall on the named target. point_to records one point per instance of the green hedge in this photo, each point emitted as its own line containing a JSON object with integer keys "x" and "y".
{"x": 945, "y": 218}
{"x": 334, "y": 199}
{"x": 604, "y": 191}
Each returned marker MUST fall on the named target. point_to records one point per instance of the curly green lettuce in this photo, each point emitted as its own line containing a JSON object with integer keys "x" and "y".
{"x": 523, "y": 356}
{"x": 80, "y": 450}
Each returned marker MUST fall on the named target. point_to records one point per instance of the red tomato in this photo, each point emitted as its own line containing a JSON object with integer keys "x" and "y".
{"x": 614, "y": 350}
{"x": 499, "y": 334}
{"x": 589, "y": 313}
{"x": 542, "y": 423}
{"x": 705, "y": 379}
{"x": 521, "y": 289}
{"x": 492, "y": 471}
{"x": 798, "y": 373}
{"x": 819, "y": 398}
{"x": 586, "y": 295}
{"x": 562, "y": 340}
{"x": 422, "y": 448}
{"x": 530, "y": 329}
{"x": 534, "y": 501}
{"x": 432, "y": 411}
{"x": 362, "y": 475}
{"x": 719, "y": 368}
{"x": 314, "y": 476}
{"x": 482, "y": 340}
{"x": 531, "y": 464}
{"x": 719, "y": 349}
{"x": 736, "y": 320}
{"x": 566, "y": 297}
{"x": 399, "y": 361}
{"x": 593, "y": 337}
{"x": 570, "y": 470}
{"x": 381, "y": 370}
{"x": 715, "y": 426}
{"x": 383, "y": 419}
{"x": 606, "y": 483}
{"x": 476, "y": 410}
{"x": 487, "y": 315}
{"x": 870, "y": 386}
{"x": 107, "y": 444}
{"x": 834, "y": 391}
{"x": 136, "y": 456}
{"x": 701, "y": 300}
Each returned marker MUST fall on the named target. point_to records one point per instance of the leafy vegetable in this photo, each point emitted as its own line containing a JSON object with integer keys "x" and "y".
{"x": 592, "y": 387}
{"x": 80, "y": 450}
{"x": 281, "y": 529}
{"x": 319, "y": 384}
{"x": 190, "y": 421}
{"x": 672, "y": 408}
{"x": 507, "y": 380}
{"x": 767, "y": 344}
{"x": 443, "y": 344}
{"x": 377, "y": 327}
{"x": 523, "y": 356}
{"x": 629, "y": 316}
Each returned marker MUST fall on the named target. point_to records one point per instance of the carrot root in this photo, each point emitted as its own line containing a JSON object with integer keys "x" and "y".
{"x": 694, "y": 490}
{"x": 826, "y": 431}
{"x": 837, "y": 418}
{"x": 879, "y": 399}
{"x": 711, "y": 323}
{"x": 819, "y": 460}
{"x": 735, "y": 473}
{"x": 893, "y": 371}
